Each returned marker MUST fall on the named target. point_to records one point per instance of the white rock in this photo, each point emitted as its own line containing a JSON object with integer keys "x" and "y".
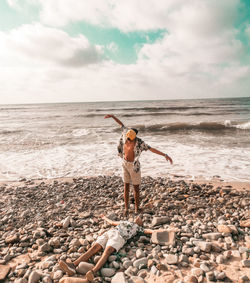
{"x": 34, "y": 277}
{"x": 108, "y": 272}
{"x": 119, "y": 278}
{"x": 58, "y": 275}
{"x": 84, "y": 267}
{"x": 22, "y": 280}
{"x": 66, "y": 222}
{"x": 171, "y": 258}
{"x": 127, "y": 263}
{"x": 140, "y": 253}
{"x": 140, "y": 262}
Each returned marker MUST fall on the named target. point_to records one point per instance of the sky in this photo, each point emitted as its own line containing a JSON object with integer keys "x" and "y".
{"x": 79, "y": 50}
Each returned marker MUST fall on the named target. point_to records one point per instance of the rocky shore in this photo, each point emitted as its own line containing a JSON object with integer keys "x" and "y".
{"x": 208, "y": 238}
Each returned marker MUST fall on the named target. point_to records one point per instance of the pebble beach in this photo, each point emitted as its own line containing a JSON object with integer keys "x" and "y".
{"x": 45, "y": 220}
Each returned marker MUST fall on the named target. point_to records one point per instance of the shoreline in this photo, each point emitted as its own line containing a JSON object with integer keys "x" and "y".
{"x": 44, "y": 220}
{"x": 238, "y": 185}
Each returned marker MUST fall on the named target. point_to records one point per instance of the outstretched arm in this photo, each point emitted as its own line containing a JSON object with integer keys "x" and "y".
{"x": 168, "y": 158}
{"x": 111, "y": 222}
{"x": 115, "y": 118}
{"x": 150, "y": 231}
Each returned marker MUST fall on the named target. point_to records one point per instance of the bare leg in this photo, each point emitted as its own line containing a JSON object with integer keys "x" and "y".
{"x": 107, "y": 252}
{"x": 89, "y": 253}
{"x": 126, "y": 196}
{"x": 137, "y": 197}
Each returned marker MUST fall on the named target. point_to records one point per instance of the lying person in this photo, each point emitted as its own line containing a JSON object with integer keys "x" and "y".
{"x": 111, "y": 241}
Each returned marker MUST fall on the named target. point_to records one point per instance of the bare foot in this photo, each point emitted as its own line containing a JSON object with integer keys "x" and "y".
{"x": 138, "y": 211}
{"x": 90, "y": 275}
{"x": 73, "y": 280}
{"x": 125, "y": 213}
{"x": 64, "y": 266}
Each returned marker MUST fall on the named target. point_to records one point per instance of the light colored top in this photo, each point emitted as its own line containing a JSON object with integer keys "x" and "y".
{"x": 140, "y": 146}
{"x": 128, "y": 229}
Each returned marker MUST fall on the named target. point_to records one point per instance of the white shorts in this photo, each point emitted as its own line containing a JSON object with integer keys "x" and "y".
{"x": 111, "y": 238}
{"x": 129, "y": 175}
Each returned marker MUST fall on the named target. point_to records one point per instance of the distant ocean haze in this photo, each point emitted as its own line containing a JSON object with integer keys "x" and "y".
{"x": 205, "y": 138}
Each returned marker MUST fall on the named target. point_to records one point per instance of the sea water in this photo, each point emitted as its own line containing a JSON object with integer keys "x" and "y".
{"x": 205, "y": 138}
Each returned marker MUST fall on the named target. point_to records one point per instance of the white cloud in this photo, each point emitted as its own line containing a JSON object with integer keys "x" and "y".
{"x": 13, "y": 4}
{"x": 204, "y": 17}
{"x": 247, "y": 31}
{"x": 113, "y": 47}
{"x": 37, "y": 44}
{"x": 199, "y": 56}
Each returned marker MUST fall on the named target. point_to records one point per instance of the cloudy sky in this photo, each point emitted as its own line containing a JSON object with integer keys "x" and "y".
{"x": 79, "y": 50}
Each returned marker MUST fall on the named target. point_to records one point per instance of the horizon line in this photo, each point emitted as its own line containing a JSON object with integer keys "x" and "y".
{"x": 103, "y": 101}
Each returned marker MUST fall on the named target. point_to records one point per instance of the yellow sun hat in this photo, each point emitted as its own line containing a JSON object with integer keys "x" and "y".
{"x": 131, "y": 134}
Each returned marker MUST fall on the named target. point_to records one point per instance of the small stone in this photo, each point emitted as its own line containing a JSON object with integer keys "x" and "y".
{"x": 84, "y": 267}
{"x": 21, "y": 280}
{"x": 220, "y": 259}
{"x": 224, "y": 229}
{"x": 227, "y": 254}
{"x": 159, "y": 220}
{"x": 210, "y": 276}
{"x": 140, "y": 262}
{"x": 236, "y": 254}
{"x": 212, "y": 236}
{"x": 171, "y": 259}
{"x": 112, "y": 258}
{"x": 108, "y": 272}
{"x": 221, "y": 276}
{"x": 4, "y": 270}
{"x": 243, "y": 279}
{"x": 243, "y": 250}
{"x": 204, "y": 246}
{"x": 197, "y": 272}
{"x": 47, "y": 279}
{"x": 66, "y": 222}
{"x": 45, "y": 248}
{"x": 11, "y": 239}
{"x": 190, "y": 279}
{"x": 57, "y": 275}
{"x": 140, "y": 253}
{"x": 245, "y": 263}
{"x": 34, "y": 277}
{"x": 204, "y": 267}
{"x": 136, "y": 279}
{"x": 127, "y": 263}
{"x": 75, "y": 243}
{"x": 115, "y": 264}
{"x": 245, "y": 223}
{"x": 54, "y": 242}
{"x": 119, "y": 278}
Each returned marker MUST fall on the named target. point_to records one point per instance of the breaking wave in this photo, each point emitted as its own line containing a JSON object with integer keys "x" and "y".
{"x": 202, "y": 126}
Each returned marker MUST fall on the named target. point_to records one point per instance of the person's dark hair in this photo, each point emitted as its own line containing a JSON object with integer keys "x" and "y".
{"x": 135, "y": 130}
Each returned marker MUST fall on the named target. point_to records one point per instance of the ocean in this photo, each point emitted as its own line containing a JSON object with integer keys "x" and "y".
{"x": 206, "y": 138}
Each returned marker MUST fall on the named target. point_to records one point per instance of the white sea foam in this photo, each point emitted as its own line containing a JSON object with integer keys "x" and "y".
{"x": 227, "y": 123}
{"x": 244, "y": 126}
{"x": 216, "y": 144}
{"x": 80, "y": 132}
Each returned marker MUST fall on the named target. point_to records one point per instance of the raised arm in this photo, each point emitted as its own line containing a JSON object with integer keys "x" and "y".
{"x": 115, "y": 118}
{"x": 168, "y": 158}
{"x": 150, "y": 231}
{"x": 111, "y": 222}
